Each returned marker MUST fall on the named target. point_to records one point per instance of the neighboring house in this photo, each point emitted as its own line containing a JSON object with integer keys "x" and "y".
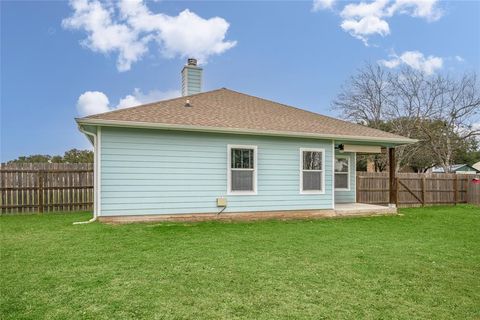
{"x": 194, "y": 153}
{"x": 456, "y": 168}
{"x": 476, "y": 166}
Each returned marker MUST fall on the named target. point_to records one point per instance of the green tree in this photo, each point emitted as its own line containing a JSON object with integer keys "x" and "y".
{"x": 70, "y": 156}
{"x": 36, "y": 158}
{"x": 78, "y": 156}
{"x": 469, "y": 154}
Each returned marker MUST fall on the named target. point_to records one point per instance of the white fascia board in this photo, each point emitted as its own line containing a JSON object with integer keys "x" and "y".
{"x": 165, "y": 126}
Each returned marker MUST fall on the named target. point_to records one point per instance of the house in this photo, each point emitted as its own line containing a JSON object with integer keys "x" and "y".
{"x": 476, "y": 166}
{"x": 222, "y": 150}
{"x": 457, "y": 168}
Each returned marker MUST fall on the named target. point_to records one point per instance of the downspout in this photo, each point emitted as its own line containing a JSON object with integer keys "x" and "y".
{"x": 333, "y": 174}
{"x": 95, "y": 171}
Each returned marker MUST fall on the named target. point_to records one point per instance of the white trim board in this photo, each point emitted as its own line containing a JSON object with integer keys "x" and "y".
{"x": 167, "y": 126}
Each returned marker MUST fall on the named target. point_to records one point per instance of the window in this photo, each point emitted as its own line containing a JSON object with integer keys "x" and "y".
{"x": 242, "y": 173}
{"x": 311, "y": 171}
{"x": 342, "y": 173}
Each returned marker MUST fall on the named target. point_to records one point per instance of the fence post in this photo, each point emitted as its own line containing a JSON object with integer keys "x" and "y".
{"x": 397, "y": 191}
{"x": 357, "y": 183}
{"x": 455, "y": 187}
{"x": 423, "y": 190}
{"x": 40, "y": 191}
{"x": 393, "y": 194}
{"x": 4, "y": 191}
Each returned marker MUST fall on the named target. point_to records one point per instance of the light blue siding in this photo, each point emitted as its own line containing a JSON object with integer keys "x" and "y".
{"x": 173, "y": 172}
{"x": 344, "y": 196}
{"x": 191, "y": 80}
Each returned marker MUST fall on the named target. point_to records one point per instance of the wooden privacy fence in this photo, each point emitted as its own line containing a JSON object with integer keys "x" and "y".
{"x": 69, "y": 187}
{"x": 42, "y": 187}
{"x": 414, "y": 189}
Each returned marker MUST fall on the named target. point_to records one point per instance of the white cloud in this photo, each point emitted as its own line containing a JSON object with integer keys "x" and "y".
{"x": 366, "y": 26}
{"x": 322, "y": 4}
{"x": 415, "y": 60}
{"x": 392, "y": 63}
{"x": 104, "y": 34}
{"x": 417, "y": 8}
{"x": 189, "y": 35}
{"x": 138, "y": 97}
{"x": 362, "y": 9}
{"x": 459, "y": 59}
{"x": 93, "y": 102}
{"x": 365, "y": 19}
{"x": 128, "y": 27}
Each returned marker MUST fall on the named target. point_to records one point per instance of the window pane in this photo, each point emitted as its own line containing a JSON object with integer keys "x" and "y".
{"x": 242, "y": 180}
{"x": 341, "y": 181}
{"x": 312, "y": 181}
{"x": 236, "y": 158}
{"x": 341, "y": 165}
{"x": 247, "y": 158}
{"x": 312, "y": 160}
{"x": 242, "y": 158}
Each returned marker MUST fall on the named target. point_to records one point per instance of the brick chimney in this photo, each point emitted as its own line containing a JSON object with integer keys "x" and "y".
{"x": 191, "y": 78}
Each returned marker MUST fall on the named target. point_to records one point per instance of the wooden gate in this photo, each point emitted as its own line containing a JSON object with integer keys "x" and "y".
{"x": 413, "y": 189}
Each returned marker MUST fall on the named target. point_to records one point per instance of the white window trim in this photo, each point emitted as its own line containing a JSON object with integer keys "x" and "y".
{"x": 301, "y": 171}
{"x": 348, "y": 172}
{"x": 229, "y": 170}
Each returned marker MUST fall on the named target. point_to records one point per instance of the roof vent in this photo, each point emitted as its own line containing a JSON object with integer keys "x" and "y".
{"x": 187, "y": 103}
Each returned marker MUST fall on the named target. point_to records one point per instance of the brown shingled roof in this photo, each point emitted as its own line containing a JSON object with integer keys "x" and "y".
{"x": 230, "y": 110}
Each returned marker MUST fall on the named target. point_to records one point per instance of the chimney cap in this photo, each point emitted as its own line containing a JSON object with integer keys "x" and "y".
{"x": 191, "y": 61}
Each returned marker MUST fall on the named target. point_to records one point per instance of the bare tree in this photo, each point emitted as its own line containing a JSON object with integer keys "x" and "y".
{"x": 414, "y": 97}
{"x": 437, "y": 110}
{"x": 364, "y": 98}
{"x": 450, "y": 124}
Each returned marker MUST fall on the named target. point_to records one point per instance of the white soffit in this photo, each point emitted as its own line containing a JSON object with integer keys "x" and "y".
{"x": 361, "y": 149}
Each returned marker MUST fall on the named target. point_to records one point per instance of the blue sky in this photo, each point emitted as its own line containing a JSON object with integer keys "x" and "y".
{"x": 299, "y": 53}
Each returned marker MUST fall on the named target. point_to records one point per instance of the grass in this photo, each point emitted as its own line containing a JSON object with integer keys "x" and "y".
{"x": 423, "y": 264}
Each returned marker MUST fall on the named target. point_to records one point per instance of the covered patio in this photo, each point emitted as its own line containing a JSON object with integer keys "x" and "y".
{"x": 348, "y": 199}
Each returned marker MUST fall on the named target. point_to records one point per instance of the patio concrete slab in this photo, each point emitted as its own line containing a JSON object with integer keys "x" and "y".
{"x": 348, "y": 209}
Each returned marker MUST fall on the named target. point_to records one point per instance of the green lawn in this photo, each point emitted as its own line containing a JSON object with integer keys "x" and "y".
{"x": 422, "y": 264}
